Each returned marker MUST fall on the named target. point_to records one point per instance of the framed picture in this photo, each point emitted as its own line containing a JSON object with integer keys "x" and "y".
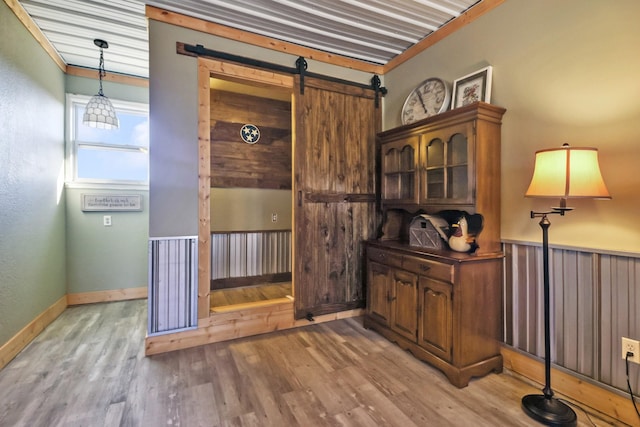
{"x": 472, "y": 88}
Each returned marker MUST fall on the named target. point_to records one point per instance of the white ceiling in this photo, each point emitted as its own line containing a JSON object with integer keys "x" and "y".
{"x": 374, "y": 31}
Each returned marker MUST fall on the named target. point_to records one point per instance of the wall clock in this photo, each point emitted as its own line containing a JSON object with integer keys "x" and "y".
{"x": 430, "y": 97}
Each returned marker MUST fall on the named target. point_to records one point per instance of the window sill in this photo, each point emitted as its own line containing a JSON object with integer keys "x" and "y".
{"x": 106, "y": 186}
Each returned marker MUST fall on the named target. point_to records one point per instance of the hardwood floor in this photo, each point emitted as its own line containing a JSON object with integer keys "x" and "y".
{"x": 249, "y": 294}
{"x": 88, "y": 369}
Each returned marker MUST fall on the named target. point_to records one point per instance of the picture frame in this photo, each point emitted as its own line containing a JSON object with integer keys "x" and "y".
{"x": 472, "y": 88}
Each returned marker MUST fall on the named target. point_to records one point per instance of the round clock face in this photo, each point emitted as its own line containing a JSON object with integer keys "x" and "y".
{"x": 431, "y": 97}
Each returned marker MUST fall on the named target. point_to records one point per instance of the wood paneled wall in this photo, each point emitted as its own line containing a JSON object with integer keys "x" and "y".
{"x": 234, "y": 163}
{"x": 595, "y": 300}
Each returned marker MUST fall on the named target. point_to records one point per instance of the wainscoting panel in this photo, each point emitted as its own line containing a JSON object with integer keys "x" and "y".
{"x": 243, "y": 254}
{"x": 173, "y": 284}
{"x": 595, "y": 300}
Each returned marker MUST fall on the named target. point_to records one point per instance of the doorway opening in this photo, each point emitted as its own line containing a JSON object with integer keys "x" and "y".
{"x": 250, "y": 193}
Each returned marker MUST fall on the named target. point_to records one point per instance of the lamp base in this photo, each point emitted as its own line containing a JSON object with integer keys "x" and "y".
{"x": 549, "y": 411}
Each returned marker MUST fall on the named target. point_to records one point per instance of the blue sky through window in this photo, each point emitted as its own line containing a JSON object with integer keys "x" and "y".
{"x": 113, "y": 155}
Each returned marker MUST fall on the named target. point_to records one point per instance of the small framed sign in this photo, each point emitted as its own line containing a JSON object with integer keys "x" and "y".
{"x": 472, "y": 88}
{"x": 111, "y": 202}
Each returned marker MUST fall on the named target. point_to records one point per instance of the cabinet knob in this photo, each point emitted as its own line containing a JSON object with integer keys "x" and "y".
{"x": 424, "y": 267}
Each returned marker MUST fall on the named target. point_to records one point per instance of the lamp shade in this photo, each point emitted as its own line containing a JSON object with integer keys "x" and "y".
{"x": 100, "y": 114}
{"x": 567, "y": 172}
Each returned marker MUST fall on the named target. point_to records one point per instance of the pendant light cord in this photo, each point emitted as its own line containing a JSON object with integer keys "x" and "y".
{"x": 101, "y": 72}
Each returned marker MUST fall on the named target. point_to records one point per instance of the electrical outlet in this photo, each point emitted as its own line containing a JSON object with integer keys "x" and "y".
{"x": 274, "y": 217}
{"x": 106, "y": 220}
{"x": 633, "y": 346}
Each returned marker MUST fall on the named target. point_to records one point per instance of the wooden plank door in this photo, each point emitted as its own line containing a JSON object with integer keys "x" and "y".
{"x": 334, "y": 194}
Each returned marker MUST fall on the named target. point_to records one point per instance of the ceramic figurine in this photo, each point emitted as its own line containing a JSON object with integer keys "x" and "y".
{"x": 460, "y": 241}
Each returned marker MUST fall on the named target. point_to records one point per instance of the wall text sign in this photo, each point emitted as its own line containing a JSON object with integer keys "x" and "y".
{"x": 110, "y": 202}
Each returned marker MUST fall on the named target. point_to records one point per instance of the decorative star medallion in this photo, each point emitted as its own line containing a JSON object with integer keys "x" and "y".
{"x": 250, "y": 134}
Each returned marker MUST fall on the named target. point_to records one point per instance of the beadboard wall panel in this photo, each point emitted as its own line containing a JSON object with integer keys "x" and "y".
{"x": 595, "y": 300}
{"x": 241, "y": 254}
{"x": 173, "y": 284}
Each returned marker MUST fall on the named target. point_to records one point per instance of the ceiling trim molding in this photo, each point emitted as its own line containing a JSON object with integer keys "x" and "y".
{"x": 197, "y": 24}
{"x": 449, "y": 28}
{"x": 37, "y": 34}
{"x": 92, "y": 73}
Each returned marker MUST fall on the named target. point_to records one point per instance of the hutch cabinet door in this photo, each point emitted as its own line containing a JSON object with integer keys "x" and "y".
{"x": 400, "y": 170}
{"x": 448, "y": 158}
{"x": 334, "y": 194}
{"x": 435, "y": 322}
{"x": 404, "y": 304}
{"x": 378, "y": 292}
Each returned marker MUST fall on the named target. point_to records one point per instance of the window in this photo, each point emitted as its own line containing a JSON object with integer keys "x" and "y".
{"x": 100, "y": 156}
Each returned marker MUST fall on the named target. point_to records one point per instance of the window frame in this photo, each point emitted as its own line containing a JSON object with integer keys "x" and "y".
{"x": 72, "y": 144}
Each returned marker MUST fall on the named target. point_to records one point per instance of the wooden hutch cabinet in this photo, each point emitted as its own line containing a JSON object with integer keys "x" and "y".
{"x": 443, "y": 306}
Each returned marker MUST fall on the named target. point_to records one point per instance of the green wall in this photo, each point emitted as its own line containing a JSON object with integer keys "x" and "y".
{"x": 250, "y": 209}
{"x": 32, "y": 203}
{"x": 48, "y": 246}
{"x": 566, "y": 71}
{"x": 103, "y": 258}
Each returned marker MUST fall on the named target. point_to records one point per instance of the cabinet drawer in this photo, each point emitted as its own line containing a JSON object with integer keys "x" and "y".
{"x": 436, "y": 270}
{"x": 384, "y": 257}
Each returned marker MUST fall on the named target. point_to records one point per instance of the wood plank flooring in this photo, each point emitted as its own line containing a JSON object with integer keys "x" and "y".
{"x": 88, "y": 369}
{"x": 248, "y": 294}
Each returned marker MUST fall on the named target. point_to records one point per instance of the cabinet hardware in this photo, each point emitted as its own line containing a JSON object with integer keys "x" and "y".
{"x": 424, "y": 267}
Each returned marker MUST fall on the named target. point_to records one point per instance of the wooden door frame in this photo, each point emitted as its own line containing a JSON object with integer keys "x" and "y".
{"x": 208, "y": 68}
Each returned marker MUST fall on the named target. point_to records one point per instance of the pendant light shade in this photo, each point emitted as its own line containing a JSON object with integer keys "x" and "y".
{"x": 99, "y": 112}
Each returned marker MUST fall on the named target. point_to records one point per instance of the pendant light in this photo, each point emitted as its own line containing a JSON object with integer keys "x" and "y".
{"x": 99, "y": 113}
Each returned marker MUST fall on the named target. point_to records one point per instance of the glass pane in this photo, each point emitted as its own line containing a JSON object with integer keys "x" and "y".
{"x": 435, "y": 153}
{"x": 458, "y": 182}
{"x": 457, "y": 150}
{"x": 435, "y": 184}
{"x": 407, "y": 186}
{"x": 392, "y": 187}
{"x": 406, "y": 158}
{"x": 110, "y": 164}
{"x": 391, "y": 160}
{"x": 133, "y": 130}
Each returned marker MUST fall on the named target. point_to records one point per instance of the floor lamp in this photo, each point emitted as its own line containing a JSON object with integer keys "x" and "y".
{"x": 562, "y": 173}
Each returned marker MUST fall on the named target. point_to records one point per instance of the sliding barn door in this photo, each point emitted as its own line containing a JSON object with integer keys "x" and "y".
{"x": 334, "y": 194}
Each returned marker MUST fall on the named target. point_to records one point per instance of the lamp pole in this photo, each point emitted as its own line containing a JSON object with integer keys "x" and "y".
{"x": 545, "y": 408}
